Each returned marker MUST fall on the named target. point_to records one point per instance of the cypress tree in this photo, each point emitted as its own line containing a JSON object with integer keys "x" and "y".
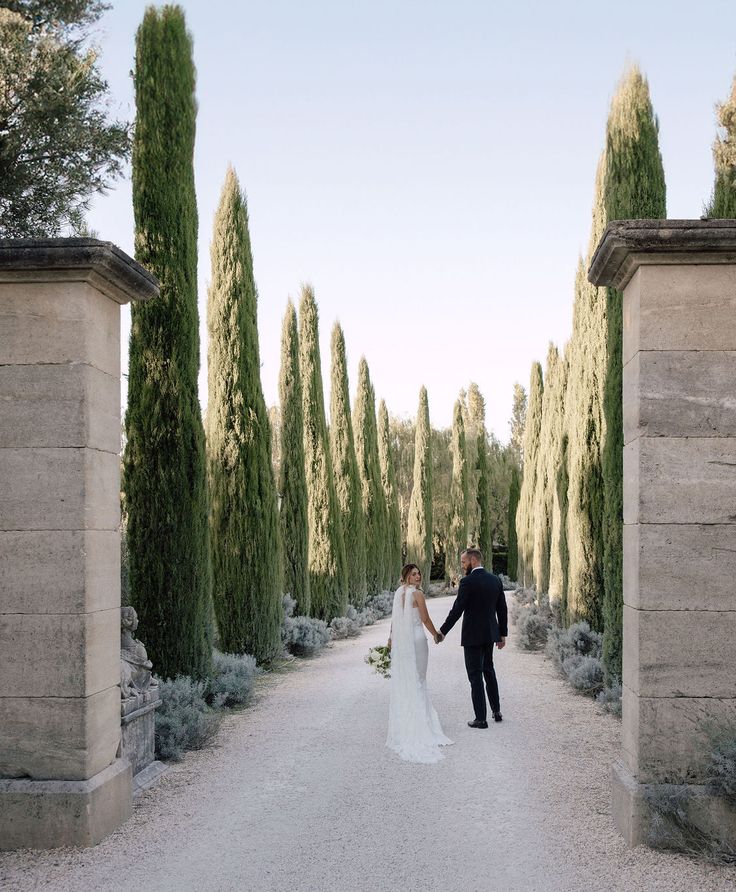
{"x": 634, "y": 189}
{"x": 327, "y": 563}
{"x": 525, "y": 512}
{"x": 374, "y": 503}
{"x": 247, "y": 572}
{"x": 391, "y": 495}
{"x": 547, "y": 457}
{"x": 517, "y": 424}
{"x": 292, "y": 477}
{"x": 164, "y": 467}
{"x": 419, "y": 547}
{"x": 584, "y": 434}
{"x": 482, "y": 534}
{"x": 558, "y": 481}
{"x": 345, "y": 466}
{"x": 457, "y": 538}
{"x": 513, "y": 548}
{"x": 723, "y": 201}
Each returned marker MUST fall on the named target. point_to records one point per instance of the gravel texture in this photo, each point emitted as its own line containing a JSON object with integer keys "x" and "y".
{"x": 299, "y": 793}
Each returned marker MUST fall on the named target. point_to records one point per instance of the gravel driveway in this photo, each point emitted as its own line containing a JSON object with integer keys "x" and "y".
{"x": 299, "y": 793}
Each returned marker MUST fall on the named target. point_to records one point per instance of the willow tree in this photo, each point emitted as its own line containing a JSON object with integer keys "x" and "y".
{"x": 525, "y": 511}
{"x": 513, "y": 546}
{"x": 723, "y": 200}
{"x": 373, "y": 500}
{"x": 345, "y": 466}
{"x": 164, "y": 466}
{"x": 457, "y": 536}
{"x": 247, "y": 572}
{"x": 327, "y": 563}
{"x": 419, "y": 548}
{"x": 391, "y": 495}
{"x": 292, "y": 481}
{"x": 634, "y": 189}
{"x": 550, "y": 430}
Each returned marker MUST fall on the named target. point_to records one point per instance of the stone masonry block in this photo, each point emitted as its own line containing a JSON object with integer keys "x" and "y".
{"x": 680, "y": 566}
{"x": 59, "y": 571}
{"x": 684, "y": 480}
{"x": 679, "y": 653}
{"x": 59, "y": 405}
{"x": 49, "y": 814}
{"x": 59, "y": 322}
{"x": 680, "y": 307}
{"x": 668, "y": 739}
{"x": 59, "y": 655}
{"x": 58, "y": 738}
{"x": 680, "y": 394}
{"x": 59, "y": 489}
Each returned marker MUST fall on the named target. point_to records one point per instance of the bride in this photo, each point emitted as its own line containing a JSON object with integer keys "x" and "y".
{"x": 414, "y": 731}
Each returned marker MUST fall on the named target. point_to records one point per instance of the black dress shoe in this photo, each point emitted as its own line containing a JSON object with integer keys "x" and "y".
{"x": 497, "y": 717}
{"x": 477, "y": 724}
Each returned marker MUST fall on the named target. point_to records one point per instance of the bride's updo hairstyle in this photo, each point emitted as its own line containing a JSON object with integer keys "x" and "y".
{"x": 406, "y": 570}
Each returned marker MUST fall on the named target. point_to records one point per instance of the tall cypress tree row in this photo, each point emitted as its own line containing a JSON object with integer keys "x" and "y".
{"x": 525, "y": 512}
{"x": 558, "y": 480}
{"x": 164, "y": 468}
{"x": 723, "y": 201}
{"x": 327, "y": 562}
{"x": 482, "y": 535}
{"x": 513, "y": 546}
{"x": 419, "y": 547}
{"x": 552, "y": 407}
{"x": 247, "y": 572}
{"x": 292, "y": 478}
{"x": 457, "y": 538}
{"x": 374, "y": 503}
{"x": 391, "y": 495}
{"x": 345, "y": 466}
{"x": 584, "y": 432}
{"x": 634, "y": 189}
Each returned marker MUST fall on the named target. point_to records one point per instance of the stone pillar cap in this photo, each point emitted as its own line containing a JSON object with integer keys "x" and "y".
{"x": 628, "y": 244}
{"x": 102, "y": 264}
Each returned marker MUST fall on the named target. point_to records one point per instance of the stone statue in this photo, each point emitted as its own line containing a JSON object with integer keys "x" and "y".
{"x": 135, "y": 667}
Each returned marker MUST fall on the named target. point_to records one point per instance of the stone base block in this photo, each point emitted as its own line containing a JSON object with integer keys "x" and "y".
{"x": 636, "y": 817}
{"x": 138, "y": 729}
{"x": 148, "y": 777}
{"x": 50, "y": 814}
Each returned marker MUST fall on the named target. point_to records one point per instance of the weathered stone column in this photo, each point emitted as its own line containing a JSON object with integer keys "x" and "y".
{"x": 61, "y": 781}
{"x": 678, "y": 279}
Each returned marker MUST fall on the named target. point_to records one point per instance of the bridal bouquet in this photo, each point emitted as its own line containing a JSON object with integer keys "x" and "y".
{"x": 379, "y": 658}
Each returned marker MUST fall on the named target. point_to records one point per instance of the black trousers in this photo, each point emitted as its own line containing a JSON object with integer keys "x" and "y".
{"x": 479, "y": 666}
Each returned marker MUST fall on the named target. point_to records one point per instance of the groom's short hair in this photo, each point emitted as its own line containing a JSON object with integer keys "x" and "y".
{"x": 474, "y": 553}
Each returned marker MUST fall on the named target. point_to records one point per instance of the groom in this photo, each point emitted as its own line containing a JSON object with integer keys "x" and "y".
{"x": 481, "y": 599}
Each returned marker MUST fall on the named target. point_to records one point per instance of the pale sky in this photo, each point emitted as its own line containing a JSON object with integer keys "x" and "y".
{"x": 427, "y": 166}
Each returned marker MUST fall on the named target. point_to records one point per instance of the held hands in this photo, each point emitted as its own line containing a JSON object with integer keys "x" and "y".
{"x": 438, "y": 637}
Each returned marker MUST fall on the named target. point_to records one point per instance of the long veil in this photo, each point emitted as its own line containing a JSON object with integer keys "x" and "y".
{"x": 414, "y": 731}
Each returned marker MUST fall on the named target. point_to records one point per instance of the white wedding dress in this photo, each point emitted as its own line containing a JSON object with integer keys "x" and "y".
{"x": 414, "y": 730}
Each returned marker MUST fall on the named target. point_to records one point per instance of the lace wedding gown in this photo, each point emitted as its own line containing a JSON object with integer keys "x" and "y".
{"x": 414, "y": 730}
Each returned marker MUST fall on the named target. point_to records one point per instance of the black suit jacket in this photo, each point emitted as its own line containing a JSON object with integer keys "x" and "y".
{"x": 482, "y": 604}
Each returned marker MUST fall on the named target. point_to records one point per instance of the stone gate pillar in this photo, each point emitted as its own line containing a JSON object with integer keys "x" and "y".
{"x": 61, "y": 780}
{"x": 678, "y": 279}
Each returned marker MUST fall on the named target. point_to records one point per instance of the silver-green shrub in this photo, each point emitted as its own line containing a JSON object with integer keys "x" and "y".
{"x": 184, "y": 721}
{"x": 302, "y": 636}
{"x": 722, "y": 768}
{"x": 609, "y": 699}
{"x": 585, "y": 673}
{"x": 532, "y": 626}
{"x": 233, "y": 678}
{"x": 345, "y": 626}
{"x": 578, "y": 639}
{"x": 381, "y": 604}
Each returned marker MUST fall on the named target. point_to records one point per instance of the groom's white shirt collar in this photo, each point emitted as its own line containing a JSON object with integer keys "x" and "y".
{"x": 479, "y": 567}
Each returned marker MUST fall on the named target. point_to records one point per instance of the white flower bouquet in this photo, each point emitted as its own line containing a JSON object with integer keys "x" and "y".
{"x": 379, "y": 659}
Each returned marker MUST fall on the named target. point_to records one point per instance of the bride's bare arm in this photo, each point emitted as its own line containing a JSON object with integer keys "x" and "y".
{"x": 421, "y": 603}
